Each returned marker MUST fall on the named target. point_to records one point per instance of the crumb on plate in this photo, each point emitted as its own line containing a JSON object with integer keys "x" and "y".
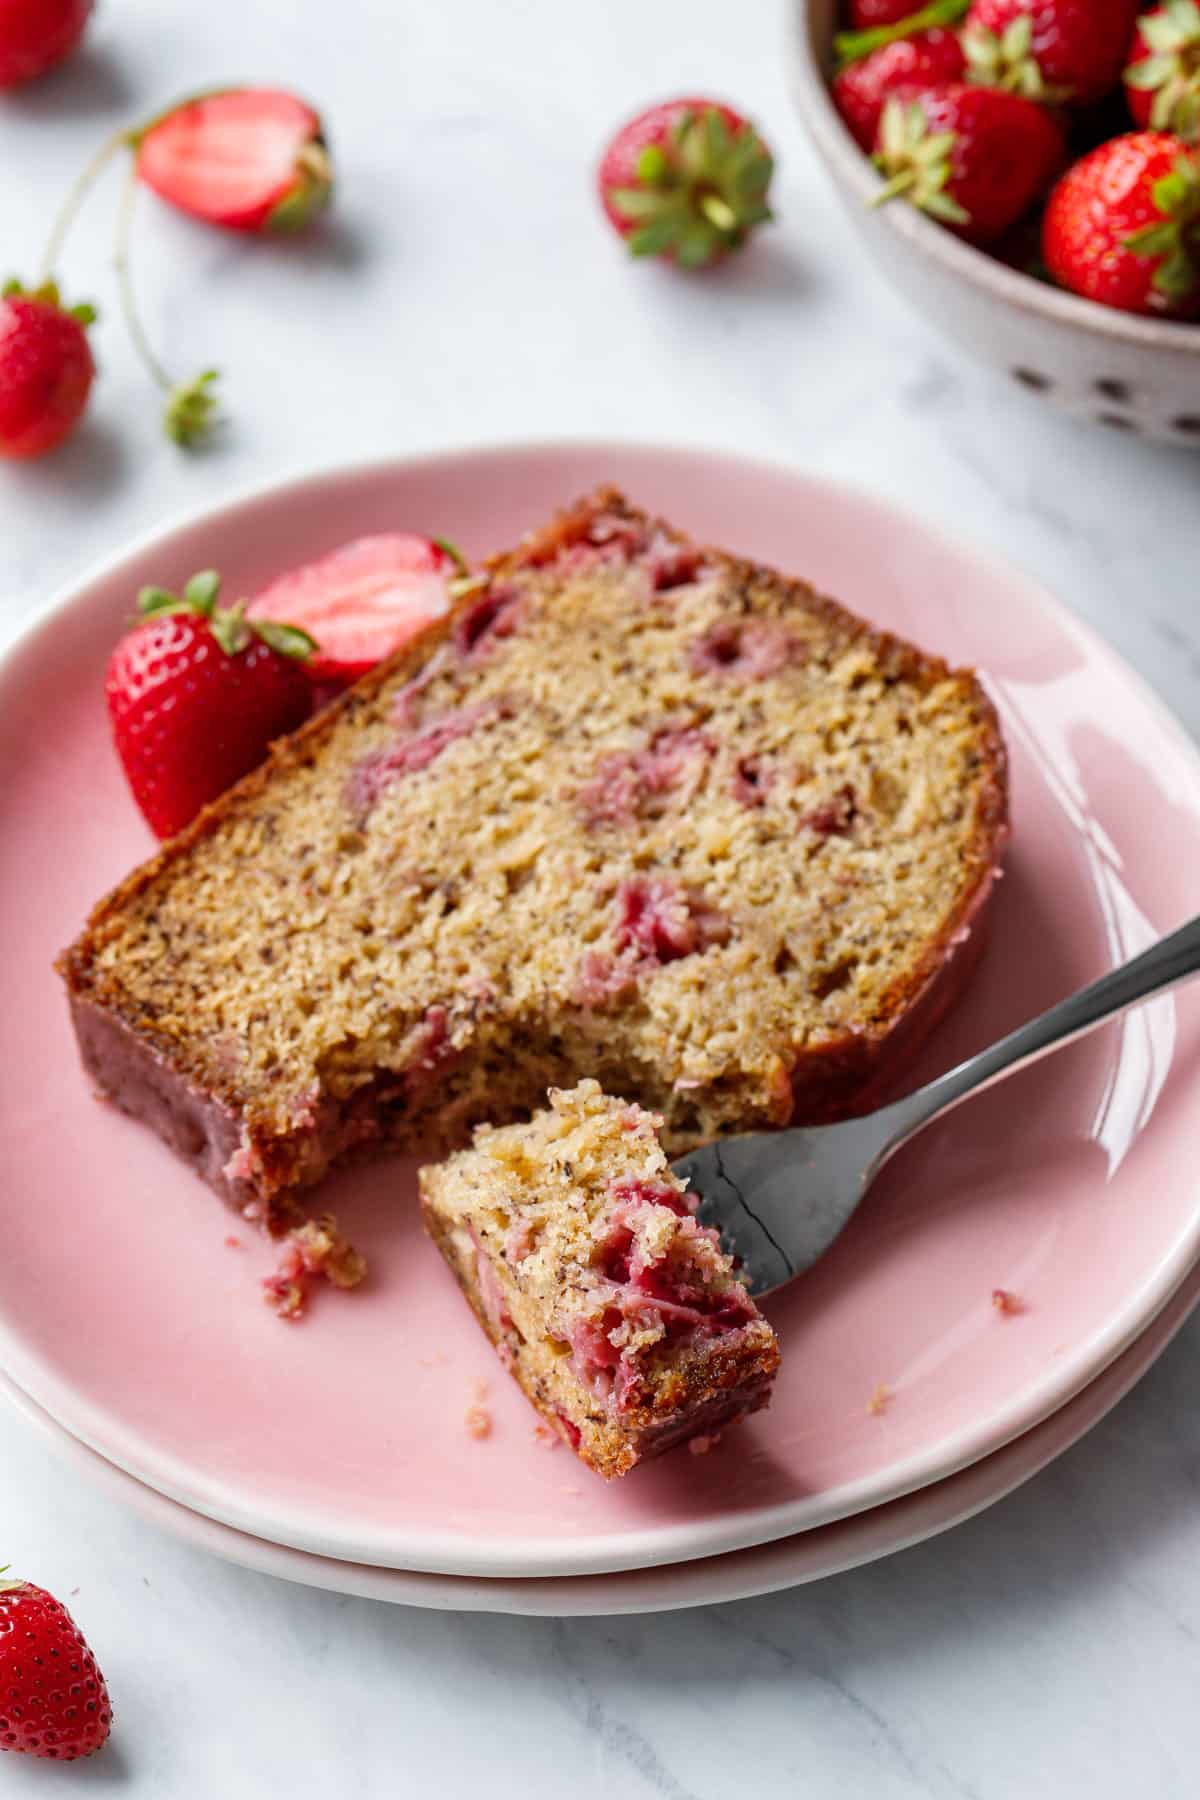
{"x": 703, "y": 1442}
{"x": 310, "y": 1250}
{"x": 478, "y": 1421}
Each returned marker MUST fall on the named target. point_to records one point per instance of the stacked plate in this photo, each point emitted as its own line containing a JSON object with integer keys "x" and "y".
{"x": 336, "y": 1451}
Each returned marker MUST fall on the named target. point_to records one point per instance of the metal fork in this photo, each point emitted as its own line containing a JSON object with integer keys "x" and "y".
{"x": 780, "y": 1198}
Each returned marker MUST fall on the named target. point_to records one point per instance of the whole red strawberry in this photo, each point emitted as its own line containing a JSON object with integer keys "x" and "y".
{"x": 687, "y": 180}
{"x": 251, "y": 159}
{"x": 196, "y": 694}
{"x": 930, "y": 59}
{"x": 1162, "y": 80}
{"x": 46, "y": 369}
{"x": 1050, "y": 49}
{"x": 36, "y": 35}
{"x": 53, "y": 1701}
{"x": 972, "y": 157}
{"x": 1123, "y": 226}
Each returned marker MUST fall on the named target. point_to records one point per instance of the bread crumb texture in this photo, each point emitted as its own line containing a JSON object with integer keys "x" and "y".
{"x": 638, "y": 811}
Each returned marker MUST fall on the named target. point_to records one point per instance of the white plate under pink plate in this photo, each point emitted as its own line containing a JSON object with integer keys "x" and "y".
{"x": 125, "y": 1315}
{"x": 737, "y": 1575}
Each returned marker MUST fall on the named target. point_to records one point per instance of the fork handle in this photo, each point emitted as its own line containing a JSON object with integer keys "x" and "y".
{"x": 1164, "y": 964}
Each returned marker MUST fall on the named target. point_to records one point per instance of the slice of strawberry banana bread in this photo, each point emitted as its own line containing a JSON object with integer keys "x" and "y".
{"x": 619, "y": 1315}
{"x": 636, "y": 810}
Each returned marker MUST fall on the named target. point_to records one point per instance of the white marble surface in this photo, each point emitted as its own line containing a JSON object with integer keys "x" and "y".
{"x": 466, "y": 291}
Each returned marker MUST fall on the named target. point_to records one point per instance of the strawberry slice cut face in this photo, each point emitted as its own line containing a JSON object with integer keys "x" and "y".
{"x": 251, "y": 159}
{"x": 362, "y": 602}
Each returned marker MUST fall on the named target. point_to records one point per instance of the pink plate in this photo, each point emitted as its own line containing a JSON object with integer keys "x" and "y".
{"x": 126, "y": 1316}
{"x": 738, "y": 1575}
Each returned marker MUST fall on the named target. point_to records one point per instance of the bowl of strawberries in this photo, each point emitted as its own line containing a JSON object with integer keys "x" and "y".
{"x": 1027, "y": 172}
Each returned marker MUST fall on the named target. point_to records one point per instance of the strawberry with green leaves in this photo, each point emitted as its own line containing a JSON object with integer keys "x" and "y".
{"x": 1049, "y": 49}
{"x": 973, "y": 158}
{"x": 1162, "y": 79}
{"x": 686, "y": 180}
{"x": 861, "y": 87}
{"x": 196, "y": 694}
{"x": 53, "y": 1701}
{"x": 46, "y": 368}
{"x": 1123, "y": 226}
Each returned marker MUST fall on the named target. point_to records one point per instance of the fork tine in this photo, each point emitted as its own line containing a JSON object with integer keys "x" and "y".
{"x": 778, "y": 1199}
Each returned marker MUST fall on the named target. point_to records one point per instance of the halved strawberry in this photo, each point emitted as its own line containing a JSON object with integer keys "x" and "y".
{"x": 363, "y": 601}
{"x": 251, "y": 159}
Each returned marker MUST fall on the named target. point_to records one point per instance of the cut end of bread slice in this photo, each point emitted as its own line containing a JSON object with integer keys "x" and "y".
{"x": 618, "y": 1314}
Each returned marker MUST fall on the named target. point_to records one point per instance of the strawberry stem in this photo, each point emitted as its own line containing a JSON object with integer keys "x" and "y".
{"x": 852, "y": 46}
{"x": 1005, "y": 60}
{"x": 122, "y": 261}
{"x": 127, "y": 137}
{"x": 451, "y": 549}
{"x": 899, "y": 184}
{"x": 79, "y": 192}
{"x": 916, "y": 161}
{"x": 229, "y": 624}
{"x": 190, "y": 404}
{"x": 699, "y": 192}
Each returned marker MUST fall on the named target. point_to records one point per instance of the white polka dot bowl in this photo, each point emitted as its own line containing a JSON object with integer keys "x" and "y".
{"x": 1131, "y": 374}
